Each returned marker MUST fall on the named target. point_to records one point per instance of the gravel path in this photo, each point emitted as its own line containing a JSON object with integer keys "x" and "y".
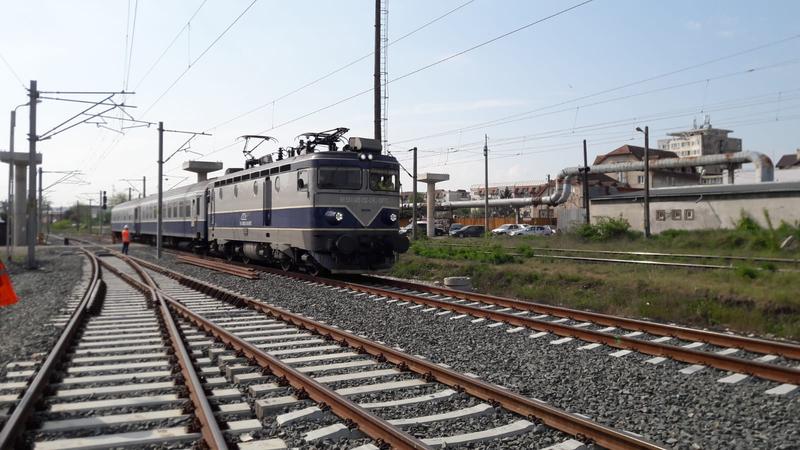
{"x": 43, "y": 292}
{"x": 684, "y": 412}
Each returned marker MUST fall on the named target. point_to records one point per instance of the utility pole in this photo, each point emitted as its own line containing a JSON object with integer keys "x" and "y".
{"x": 33, "y": 95}
{"x": 129, "y": 194}
{"x": 144, "y": 186}
{"x": 414, "y": 198}
{"x": 90, "y": 216}
{"x": 646, "y": 132}
{"x": 41, "y": 200}
{"x": 486, "y": 184}
{"x": 586, "y": 184}
{"x": 548, "y": 195}
{"x": 377, "y": 75}
{"x": 10, "y": 205}
{"x": 159, "y": 225}
{"x": 161, "y": 161}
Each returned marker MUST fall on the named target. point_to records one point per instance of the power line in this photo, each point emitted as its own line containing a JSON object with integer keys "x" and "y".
{"x": 628, "y": 122}
{"x": 191, "y": 64}
{"x": 11, "y": 69}
{"x": 180, "y": 32}
{"x": 335, "y": 71}
{"x": 433, "y": 64}
{"x": 130, "y": 51}
{"x": 606, "y": 91}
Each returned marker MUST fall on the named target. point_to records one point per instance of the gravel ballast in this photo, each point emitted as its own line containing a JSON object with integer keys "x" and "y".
{"x": 679, "y": 411}
{"x": 42, "y": 292}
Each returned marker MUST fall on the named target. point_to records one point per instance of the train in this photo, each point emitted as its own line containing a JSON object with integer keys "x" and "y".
{"x": 316, "y": 208}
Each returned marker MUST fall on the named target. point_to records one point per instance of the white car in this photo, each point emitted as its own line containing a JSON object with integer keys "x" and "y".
{"x": 533, "y": 230}
{"x": 507, "y": 228}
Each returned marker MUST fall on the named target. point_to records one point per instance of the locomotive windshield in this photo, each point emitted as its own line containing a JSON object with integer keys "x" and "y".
{"x": 382, "y": 180}
{"x": 339, "y": 178}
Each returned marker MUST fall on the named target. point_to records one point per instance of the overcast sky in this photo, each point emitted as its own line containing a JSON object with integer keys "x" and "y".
{"x": 553, "y": 84}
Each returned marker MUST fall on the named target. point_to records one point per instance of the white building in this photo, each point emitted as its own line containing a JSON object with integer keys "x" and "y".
{"x": 701, "y": 141}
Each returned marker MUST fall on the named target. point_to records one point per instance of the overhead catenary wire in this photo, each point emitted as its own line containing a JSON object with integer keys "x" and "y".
{"x": 130, "y": 49}
{"x": 11, "y": 69}
{"x": 339, "y": 69}
{"x": 420, "y": 69}
{"x": 673, "y": 113}
{"x": 169, "y": 46}
{"x": 200, "y": 56}
{"x": 608, "y": 90}
{"x": 627, "y": 122}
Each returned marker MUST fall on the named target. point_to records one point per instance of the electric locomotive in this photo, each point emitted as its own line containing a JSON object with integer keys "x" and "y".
{"x": 315, "y": 207}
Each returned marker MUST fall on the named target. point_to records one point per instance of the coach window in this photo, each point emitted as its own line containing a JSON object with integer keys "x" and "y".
{"x": 236, "y": 190}
{"x": 339, "y": 178}
{"x": 383, "y": 180}
{"x": 302, "y": 180}
{"x": 255, "y": 188}
{"x": 220, "y": 192}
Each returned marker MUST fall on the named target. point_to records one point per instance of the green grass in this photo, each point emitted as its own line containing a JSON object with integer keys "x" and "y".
{"x": 753, "y": 297}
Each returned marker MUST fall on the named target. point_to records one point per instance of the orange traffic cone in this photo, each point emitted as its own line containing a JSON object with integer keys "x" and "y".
{"x": 7, "y": 294}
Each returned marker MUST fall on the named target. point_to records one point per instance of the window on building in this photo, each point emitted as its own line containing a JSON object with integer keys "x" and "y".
{"x": 676, "y": 214}
{"x": 640, "y": 179}
{"x": 661, "y": 215}
{"x": 688, "y": 214}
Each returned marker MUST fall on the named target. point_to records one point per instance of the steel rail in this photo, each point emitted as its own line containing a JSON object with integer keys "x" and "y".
{"x": 213, "y": 436}
{"x": 534, "y": 409}
{"x": 671, "y": 255}
{"x": 785, "y": 349}
{"x": 239, "y": 271}
{"x": 740, "y": 365}
{"x": 15, "y": 424}
{"x": 644, "y": 262}
{"x": 371, "y": 425}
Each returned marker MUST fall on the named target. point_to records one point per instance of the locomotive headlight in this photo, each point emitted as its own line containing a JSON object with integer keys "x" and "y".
{"x": 362, "y": 157}
{"x": 369, "y": 156}
{"x": 334, "y": 217}
{"x": 392, "y": 217}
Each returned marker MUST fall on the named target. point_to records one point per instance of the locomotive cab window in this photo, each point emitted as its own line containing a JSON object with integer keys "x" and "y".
{"x": 383, "y": 180}
{"x": 339, "y": 178}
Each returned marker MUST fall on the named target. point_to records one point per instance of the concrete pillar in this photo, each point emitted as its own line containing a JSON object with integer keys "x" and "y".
{"x": 20, "y": 161}
{"x": 431, "y": 179}
{"x": 431, "y": 213}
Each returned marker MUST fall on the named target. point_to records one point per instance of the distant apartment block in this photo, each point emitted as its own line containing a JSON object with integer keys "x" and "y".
{"x": 702, "y": 141}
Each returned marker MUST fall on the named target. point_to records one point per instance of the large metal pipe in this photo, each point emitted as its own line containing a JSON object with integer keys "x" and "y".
{"x": 765, "y": 172}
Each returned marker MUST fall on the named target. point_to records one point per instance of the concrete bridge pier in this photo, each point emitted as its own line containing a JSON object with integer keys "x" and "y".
{"x": 20, "y": 161}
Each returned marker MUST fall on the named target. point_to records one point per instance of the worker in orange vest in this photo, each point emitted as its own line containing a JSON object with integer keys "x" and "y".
{"x": 7, "y": 294}
{"x": 126, "y": 239}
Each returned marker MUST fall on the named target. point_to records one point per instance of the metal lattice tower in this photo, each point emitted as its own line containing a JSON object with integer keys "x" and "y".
{"x": 384, "y": 74}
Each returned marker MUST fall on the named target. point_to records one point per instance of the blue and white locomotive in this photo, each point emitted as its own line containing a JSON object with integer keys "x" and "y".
{"x": 333, "y": 210}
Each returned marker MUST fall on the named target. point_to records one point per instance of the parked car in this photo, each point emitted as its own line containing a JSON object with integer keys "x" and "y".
{"x": 469, "y": 231}
{"x": 506, "y": 228}
{"x": 455, "y": 227}
{"x": 422, "y": 228}
{"x": 533, "y": 230}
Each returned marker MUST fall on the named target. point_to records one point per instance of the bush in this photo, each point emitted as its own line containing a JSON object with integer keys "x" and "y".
{"x": 747, "y": 272}
{"x": 494, "y": 254}
{"x": 62, "y": 225}
{"x": 605, "y": 229}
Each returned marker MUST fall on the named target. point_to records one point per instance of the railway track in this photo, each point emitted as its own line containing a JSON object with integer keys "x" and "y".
{"x": 740, "y": 355}
{"x": 164, "y": 357}
{"x": 332, "y": 350}
{"x": 657, "y": 259}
